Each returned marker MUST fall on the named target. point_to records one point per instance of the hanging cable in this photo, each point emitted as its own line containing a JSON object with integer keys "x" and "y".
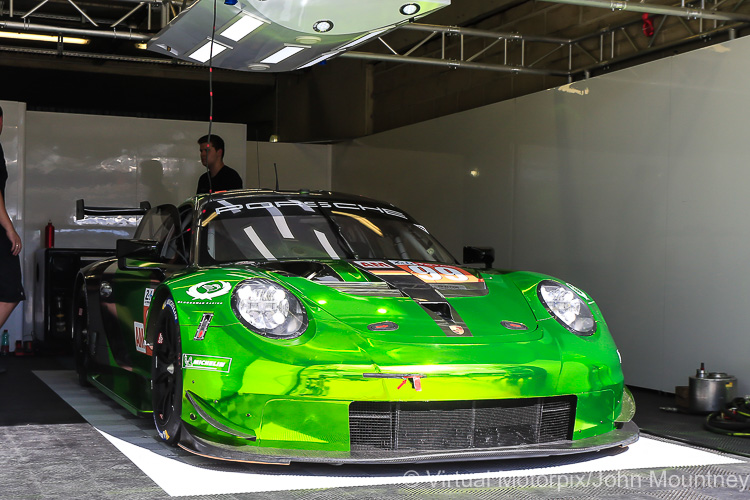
{"x": 211, "y": 93}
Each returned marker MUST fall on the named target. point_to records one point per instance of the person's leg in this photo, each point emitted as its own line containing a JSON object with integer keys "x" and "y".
{"x": 5, "y": 309}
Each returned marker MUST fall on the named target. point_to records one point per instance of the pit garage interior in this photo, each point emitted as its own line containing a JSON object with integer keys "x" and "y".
{"x": 599, "y": 142}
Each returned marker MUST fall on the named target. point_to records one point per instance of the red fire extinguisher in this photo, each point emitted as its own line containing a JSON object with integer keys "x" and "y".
{"x": 648, "y": 25}
{"x": 49, "y": 235}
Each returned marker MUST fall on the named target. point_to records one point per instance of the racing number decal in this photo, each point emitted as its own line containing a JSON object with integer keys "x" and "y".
{"x": 429, "y": 273}
{"x": 436, "y": 273}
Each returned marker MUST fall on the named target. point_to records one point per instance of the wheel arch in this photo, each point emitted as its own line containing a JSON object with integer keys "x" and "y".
{"x": 161, "y": 294}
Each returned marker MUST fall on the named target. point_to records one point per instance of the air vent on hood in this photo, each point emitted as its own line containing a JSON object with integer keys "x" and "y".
{"x": 364, "y": 288}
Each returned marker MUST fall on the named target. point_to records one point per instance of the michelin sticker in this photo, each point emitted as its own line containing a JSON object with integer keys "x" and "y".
{"x": 202, "y": 362}
{"x": 207, "y": 290}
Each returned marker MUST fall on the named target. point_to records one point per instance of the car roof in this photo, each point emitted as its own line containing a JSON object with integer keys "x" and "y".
{"x": 298, "y": 194}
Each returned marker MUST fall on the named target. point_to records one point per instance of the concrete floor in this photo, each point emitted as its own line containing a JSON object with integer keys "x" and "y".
{"x": 115, "y": 455}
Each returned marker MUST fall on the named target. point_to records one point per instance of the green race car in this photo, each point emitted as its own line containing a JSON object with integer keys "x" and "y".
{"x": 271, "y": 327}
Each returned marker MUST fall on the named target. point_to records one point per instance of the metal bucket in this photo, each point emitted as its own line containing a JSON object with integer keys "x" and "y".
{"x": 709, "y": 392}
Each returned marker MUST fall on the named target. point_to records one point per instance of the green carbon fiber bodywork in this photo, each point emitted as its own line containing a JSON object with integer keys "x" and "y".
{"x": 295, "y": 394}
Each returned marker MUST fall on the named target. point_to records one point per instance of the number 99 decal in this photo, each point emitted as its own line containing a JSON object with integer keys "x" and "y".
{"x": 435, "y": 273}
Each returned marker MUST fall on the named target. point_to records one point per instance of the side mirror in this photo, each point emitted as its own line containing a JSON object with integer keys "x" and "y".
{"x": 476, "y": 255}
{"x": 146, "y": 250}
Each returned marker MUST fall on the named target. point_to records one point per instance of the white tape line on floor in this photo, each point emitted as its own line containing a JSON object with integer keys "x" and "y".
{"x": 178, "y": 478}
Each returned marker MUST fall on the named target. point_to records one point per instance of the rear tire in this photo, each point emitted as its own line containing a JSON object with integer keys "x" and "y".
{"x": 166, "y": 375}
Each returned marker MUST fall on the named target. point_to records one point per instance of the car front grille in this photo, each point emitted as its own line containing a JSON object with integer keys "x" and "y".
{"x": 455, "y": 425}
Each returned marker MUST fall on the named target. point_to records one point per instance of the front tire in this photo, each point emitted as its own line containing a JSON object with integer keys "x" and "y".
{"x": 166, "y": 375}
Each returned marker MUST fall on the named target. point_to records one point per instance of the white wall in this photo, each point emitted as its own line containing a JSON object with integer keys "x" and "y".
{"x": 107, "y": 161}
{"x": 121, "y": 161}
{"x": 631, "y": 185}
{"x": 299, "y": 166}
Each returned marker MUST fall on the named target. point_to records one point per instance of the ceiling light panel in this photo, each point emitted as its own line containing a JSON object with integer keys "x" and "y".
{"x": 206, "y": 51}
{"x": 239, "y": 29}
{"x": 264, "y": 33}
{"x": 283, "y": 54}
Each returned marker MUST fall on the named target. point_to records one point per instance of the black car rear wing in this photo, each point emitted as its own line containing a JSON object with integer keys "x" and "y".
{"x": 82, "y": 210}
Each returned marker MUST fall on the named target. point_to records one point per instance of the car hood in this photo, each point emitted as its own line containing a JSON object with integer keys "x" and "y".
{"x": 409, "y": 302}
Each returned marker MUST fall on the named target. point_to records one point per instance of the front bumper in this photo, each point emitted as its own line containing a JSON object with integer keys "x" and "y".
{"x": 623, "y": 436}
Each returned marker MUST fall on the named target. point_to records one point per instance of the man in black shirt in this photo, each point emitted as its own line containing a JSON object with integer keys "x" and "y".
{"x": 222, "y": 177}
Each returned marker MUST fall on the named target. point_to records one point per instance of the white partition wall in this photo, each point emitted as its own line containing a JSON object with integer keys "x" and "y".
{"x": 107, "y": 161}
{"x": 112, "y": 161}
{"x": 296, "y": 166}
{"x": 632, "y": 185}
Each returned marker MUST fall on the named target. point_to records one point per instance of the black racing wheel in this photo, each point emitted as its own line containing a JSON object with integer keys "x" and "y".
{"x": 166, "y": 375}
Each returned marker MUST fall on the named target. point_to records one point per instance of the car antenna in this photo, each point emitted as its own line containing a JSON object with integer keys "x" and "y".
{"x": 276, "y": 171}
{"x": 257, "y": 155}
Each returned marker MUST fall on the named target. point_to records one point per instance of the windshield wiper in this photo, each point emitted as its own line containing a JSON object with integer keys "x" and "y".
{"x": 337, "y": 229}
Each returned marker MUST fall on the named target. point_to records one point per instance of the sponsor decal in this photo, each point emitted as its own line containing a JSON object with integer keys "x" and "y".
{"x": 457, "y": 329}
{"x": 402, "y": 263}
{"x": 373, "y": 264}
{"x": 207, "y": 290}
{"x": 203, "y": 362}
{"x": 383, "y": 326}
{"x": 140, "y": 337}
{"x": 169, "y": 304}
{"x": 201, "y": 303}
{"x": 514, "y": 325}
{"x": 266, "y": 205}
{"x": 203, "y": 327}
{"x": 416, "y": 382}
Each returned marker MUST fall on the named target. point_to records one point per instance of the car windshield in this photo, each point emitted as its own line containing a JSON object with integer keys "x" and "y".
{"x": 253, "y": 229}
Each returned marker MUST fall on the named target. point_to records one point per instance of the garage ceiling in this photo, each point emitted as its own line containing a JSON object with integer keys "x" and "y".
{"x": 471, "y": 53}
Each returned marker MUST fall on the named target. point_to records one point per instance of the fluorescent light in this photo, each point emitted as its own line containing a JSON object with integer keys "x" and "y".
{"x": 243, "y": 27}
{"x": 319, "y": 59}
{"x": 363, "y": 39}
{"x": 203, "y": 54}
{"x": 42, "y": 38}
{"x": 282, "y": 54}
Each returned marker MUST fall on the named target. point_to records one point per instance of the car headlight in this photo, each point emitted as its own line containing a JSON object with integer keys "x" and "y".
{"x": 567, "y": 307}
{"x": 269, "y": 309}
